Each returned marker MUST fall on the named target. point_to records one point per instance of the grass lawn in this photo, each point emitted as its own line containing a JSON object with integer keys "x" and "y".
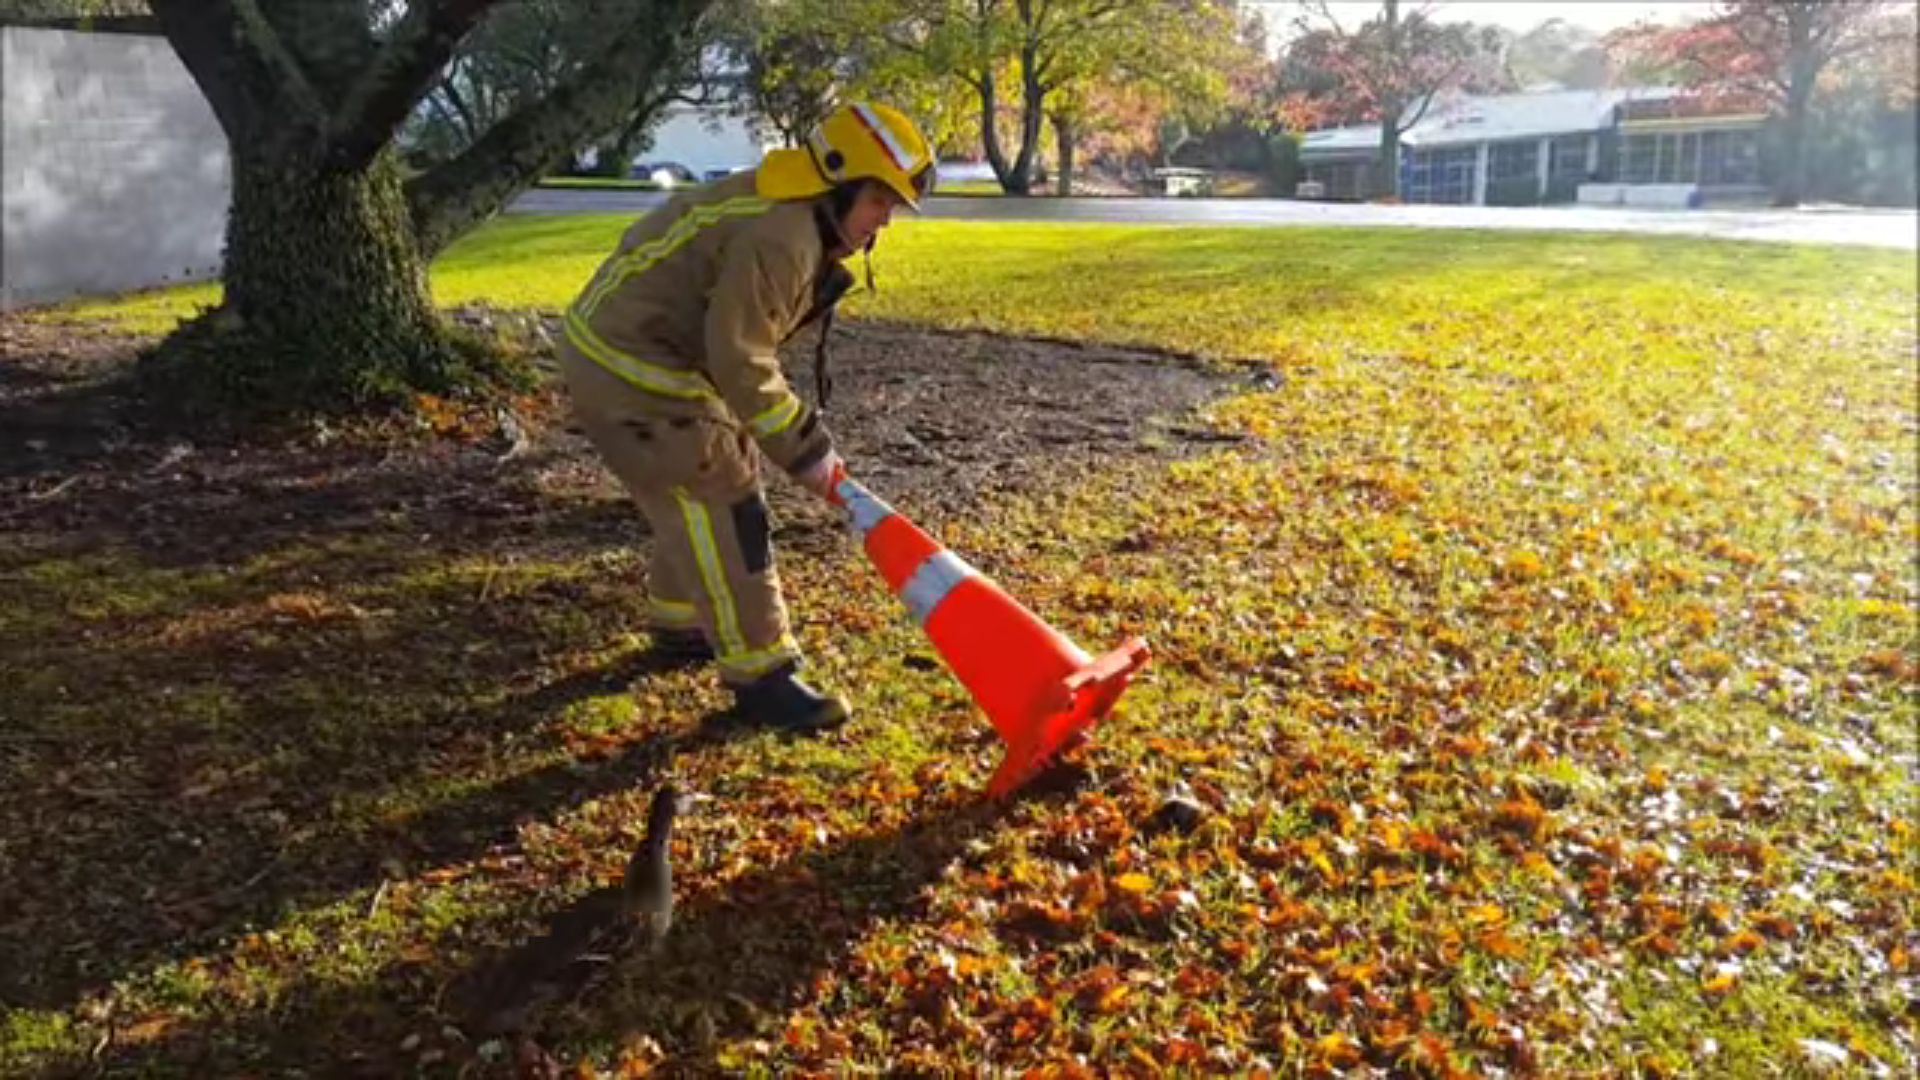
{"x": 606, "y": 183}
{"x": 987, "y": 188}
{"x": 1545, "y": 663}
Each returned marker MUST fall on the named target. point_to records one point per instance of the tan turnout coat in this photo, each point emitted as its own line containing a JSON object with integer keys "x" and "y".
{"x": 693, "y": 305}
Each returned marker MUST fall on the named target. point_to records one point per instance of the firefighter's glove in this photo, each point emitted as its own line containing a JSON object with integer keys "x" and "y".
{"x": 821, "y": 476}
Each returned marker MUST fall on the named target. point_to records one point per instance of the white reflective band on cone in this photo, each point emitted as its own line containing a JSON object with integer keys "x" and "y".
{"x": 863, "y": 508}
{"x": 931, "y": 582}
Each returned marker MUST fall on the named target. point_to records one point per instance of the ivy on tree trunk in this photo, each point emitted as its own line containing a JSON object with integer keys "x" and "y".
{"x": 326, "y": 294}
{"x": 326, "y": 305}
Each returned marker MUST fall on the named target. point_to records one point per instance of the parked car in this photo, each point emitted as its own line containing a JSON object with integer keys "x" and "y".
{"x": 722, "y": 174}
{"x": 667, "y": 174}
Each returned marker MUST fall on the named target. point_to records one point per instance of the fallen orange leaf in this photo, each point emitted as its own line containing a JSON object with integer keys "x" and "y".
{"x": 1338, "y": 1050}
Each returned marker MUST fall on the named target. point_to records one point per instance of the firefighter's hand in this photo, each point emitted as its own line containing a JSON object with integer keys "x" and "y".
{"x": 822, "y": 475}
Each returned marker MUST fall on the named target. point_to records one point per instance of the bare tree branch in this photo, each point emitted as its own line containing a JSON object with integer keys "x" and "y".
{"x": 228, "y": 46}
{"x": 469, "y": 122}
{"x": 1324, "y": 11}
{"x": 303, "y": 99}
{"x": 416, "y": 51}
{"x": 1773, "y": 77}
{"x": 1426, "y": 102}
{"x": 481, "y": 178}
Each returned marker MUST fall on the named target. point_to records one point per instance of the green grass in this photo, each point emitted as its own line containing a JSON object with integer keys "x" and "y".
{"x": 1221, "y": 291}
{"x": 599, "y": 183}
{"x": 970, "y": 188}
{"x": 1545, "y": 661}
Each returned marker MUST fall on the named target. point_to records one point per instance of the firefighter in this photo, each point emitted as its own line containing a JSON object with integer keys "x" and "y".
{"x": 670, "y": 361}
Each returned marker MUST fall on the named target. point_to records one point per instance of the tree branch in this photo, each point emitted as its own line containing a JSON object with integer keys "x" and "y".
{"x": 1772, "y": 77}
{"x": 289, "y": 77}
{"x": 417, "y": 49}
{"x": 203, "y": 35}
{"x": 1426, "y": 102}
{"x": 1866, "y": 43}
{"x": 451, "y": 88}
{"x": 514, "y": 152}
{"x": 1071, "y": 28}
{"x": 230, "y": 49}
{"x": 1325, "y": 11}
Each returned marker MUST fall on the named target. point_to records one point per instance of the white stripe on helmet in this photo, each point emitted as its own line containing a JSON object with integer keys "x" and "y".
{"x": 884, "y": 135}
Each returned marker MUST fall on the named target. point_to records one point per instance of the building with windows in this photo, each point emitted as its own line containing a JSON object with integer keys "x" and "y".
{"x": 1644, "y": 146}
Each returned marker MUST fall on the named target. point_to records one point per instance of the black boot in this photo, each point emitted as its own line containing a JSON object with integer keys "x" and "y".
{"x": 780, "y": 700}
{"x": 677, "y": 648}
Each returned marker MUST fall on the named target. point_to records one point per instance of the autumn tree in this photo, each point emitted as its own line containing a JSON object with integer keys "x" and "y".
{"x": 1244, "y": 130}
{"x": 1391, "y": 68}
{"x": 521, "y": 53}
{"x": 1778, "y": 50}
{"x": 1557, "y": 53}
{"x": 1188, "y": 71}
{"x": 1023, "y": 54}
{"x": 794, "y": 58}
{"x": 1310, "y": 89}
{"x": 326, "y": 302}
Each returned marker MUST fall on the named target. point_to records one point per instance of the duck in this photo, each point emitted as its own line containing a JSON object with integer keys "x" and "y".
{"x": 647, "y": 888}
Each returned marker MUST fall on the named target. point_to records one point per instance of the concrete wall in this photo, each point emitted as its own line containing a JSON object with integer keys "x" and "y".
{"x": 113, "y": 170}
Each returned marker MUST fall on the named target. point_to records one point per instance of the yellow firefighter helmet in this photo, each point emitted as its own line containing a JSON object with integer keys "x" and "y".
{"x": 859, "y": 141}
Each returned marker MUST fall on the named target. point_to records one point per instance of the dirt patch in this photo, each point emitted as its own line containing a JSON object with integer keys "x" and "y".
{"x": 934, "y": 421}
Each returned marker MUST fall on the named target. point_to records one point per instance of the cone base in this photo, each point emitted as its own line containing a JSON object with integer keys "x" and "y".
{"x": 1089, "y": 695}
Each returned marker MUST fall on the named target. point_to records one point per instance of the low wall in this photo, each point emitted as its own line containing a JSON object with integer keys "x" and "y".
{"x": 113, "y": 170}
{"x": 1667, "y": 196}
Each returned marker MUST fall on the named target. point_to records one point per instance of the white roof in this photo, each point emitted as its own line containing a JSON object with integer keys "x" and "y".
{"x": 1467, "y": 120}
{"x": 1521, "y": 116}
{"x": 1341, "y": 140}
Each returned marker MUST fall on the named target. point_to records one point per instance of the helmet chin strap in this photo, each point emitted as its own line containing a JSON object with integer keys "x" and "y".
{"x": 822, "y": 380}
{"x": 838, "y": 222}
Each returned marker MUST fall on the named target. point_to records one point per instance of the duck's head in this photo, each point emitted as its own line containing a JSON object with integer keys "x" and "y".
{"x": 669, "y": 802}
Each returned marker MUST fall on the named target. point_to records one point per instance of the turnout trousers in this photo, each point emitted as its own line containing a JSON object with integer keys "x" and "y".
{"x": 697, "y": 481}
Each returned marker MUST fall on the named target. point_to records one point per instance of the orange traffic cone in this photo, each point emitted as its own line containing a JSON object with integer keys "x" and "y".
{"x": 1037, "y": 687}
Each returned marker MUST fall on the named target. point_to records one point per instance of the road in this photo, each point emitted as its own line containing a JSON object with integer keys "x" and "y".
{"x": 1896, "y": 229}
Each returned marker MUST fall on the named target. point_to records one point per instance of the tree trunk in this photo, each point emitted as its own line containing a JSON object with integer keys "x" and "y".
{"x": 326, "y": 301}
{"x": 327, "y": 306}
{"x": 1063, "y": 133}
{"x": 1032, "y": 113}
{"x": 1386, "y": 179}
{"x": 1790, "y": 180}
{"x": 1803, "y": 68}
{"x": 1386, "y": 167}
{"x": 990, "y": 137}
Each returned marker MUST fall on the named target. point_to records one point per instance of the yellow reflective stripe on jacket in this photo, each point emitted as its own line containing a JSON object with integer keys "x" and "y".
{"x": 777, "y": 419}
{"x": 676, "y": 237}
{"x": 650, "y": 377}
{"x": 666, "y": 381}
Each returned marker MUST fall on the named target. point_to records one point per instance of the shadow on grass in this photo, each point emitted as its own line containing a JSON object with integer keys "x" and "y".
{"x": 241, "y": 681}
{"x": 127, "y": 876}
{"x": 735, "y": 962}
